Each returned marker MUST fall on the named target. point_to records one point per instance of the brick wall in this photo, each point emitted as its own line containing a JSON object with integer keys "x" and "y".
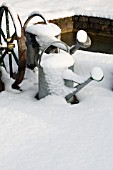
{"x": 90, "y": 24}
{"x": 93, "y": 24}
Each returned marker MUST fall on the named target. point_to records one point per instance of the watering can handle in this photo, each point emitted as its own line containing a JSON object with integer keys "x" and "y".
{"x": 79, "y": 87}
{"x": 67, "y": 49}
{"x": 34, "y": 14}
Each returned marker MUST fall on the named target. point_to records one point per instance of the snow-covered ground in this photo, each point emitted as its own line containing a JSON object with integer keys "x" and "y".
{"x": 51, "y": 134}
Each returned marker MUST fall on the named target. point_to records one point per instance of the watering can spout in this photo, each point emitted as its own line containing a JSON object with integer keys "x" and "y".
{"x": 96, "y": 74}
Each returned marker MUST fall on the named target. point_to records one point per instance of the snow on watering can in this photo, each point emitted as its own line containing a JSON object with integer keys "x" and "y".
{"x": 56, "y": 75}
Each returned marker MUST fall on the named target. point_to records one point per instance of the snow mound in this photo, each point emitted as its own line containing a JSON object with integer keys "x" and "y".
{"x": 97, "y": 73}
{"x": 44, "y": 29}
{"x": 82, "y": 36}
{"x": 58, "y": 61}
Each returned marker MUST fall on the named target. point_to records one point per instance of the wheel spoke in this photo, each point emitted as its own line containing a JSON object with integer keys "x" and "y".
{"x": 7, "y": 23}
{"x": 1, "y": 11}
{"x": 13, "y": 37}
{"x": 15, "y": 57}
{"x": 2, "y": 34}
{"x": 10, "y": 65}
{"x": 2, "y": 57}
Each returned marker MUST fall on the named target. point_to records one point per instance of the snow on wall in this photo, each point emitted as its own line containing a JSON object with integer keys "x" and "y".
{"x": 61, "y": 9}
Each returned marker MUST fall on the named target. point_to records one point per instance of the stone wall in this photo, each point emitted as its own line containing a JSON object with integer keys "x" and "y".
{"x": 94, "y": 25}
{"x": 66, "y": 24}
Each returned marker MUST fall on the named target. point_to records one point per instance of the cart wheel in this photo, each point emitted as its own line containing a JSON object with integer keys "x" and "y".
{"x": 12, "y": 44}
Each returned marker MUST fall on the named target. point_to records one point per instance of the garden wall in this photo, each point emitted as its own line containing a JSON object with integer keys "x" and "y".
{"x": 91, "y": 24}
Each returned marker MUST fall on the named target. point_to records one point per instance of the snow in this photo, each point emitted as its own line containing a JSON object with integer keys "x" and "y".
{"x": 37, "y": 13}
{"x": 45, "y": 33}
{"x": 14, "y": 17}
{"x": 59, "y": 61}
{"x": 70, "y": 75}
{"x": 51, "y": 134}
{"x": 97, "y": 73}
{"x": 82, "y": 36}
{"x": 44, "y": 29}
{"x": 59, "y": 9}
